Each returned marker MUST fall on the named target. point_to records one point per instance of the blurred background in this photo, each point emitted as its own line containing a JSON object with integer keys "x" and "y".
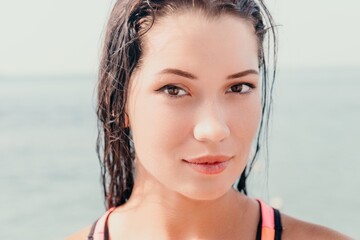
{"x": 49, "y": 172}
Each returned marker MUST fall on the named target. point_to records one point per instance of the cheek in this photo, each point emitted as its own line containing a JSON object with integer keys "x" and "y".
{"x": 245, "y": 120}
{"x": 158, "y": 129}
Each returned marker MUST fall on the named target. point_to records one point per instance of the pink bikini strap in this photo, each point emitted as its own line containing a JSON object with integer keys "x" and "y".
{"x": 268, "y": 223}
{"x": 99, "y": 231}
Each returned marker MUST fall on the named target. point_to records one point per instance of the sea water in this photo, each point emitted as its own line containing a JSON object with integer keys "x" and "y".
{"x": 50, "y": 175}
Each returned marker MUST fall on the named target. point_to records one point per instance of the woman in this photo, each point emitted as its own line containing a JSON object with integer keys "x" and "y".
{"x": 183, "y": 103}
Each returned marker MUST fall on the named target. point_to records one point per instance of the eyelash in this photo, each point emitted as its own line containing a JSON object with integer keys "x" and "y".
{"x": 166, "y": 87}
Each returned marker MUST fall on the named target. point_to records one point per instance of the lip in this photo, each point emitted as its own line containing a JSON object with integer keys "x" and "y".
{"x": 209, "y": 159}
{"x": 209, "y": 165}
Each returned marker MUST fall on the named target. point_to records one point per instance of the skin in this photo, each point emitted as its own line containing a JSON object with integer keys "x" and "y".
{"x": 215, "y": 115}
{"x": 209, "y": 118}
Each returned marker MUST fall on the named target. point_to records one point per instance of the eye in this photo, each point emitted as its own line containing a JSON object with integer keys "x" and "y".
{"x": 173, "y": 91}
{"x": 241, "y": 88}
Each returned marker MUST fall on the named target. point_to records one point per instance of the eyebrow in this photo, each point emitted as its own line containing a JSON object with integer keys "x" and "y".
{"x": 191, "y": 76}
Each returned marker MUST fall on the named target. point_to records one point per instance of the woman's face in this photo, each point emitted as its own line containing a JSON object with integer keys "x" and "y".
{"x": 197, "y": 93}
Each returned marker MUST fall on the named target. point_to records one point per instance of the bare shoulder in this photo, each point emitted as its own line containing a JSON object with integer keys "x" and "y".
{"x": 297, "y": 229}
{"x": 80, "y": 235}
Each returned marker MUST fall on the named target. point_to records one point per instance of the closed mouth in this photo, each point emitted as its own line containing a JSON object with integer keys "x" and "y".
{"x": 214, "y": 159}
{"x": 209, "y": 167}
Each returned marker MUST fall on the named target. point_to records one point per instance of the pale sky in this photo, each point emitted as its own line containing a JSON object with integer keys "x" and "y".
{"x": 47, "y": 37}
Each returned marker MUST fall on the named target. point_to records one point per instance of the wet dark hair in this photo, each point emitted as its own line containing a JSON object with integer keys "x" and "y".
{"x": 122, "y": 51}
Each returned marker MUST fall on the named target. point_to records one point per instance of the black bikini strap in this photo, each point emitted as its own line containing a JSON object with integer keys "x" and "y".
{"x": 258, "y": 232}
{"x": 278, "y": 225}
{"x": 91, "y": 233}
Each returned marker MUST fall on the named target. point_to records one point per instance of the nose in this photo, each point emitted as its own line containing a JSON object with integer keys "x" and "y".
{"x": 211, "y": 125}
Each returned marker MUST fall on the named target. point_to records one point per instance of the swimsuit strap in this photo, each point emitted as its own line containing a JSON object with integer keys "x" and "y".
{"x": 270, "y": 227}
{"x": 99, "y": 230}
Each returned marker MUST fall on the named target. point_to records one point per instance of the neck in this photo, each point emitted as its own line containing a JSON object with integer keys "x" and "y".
{"x": 167, "y": 213}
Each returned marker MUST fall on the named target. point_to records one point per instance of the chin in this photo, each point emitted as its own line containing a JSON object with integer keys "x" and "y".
{"x": 205, "y": 194}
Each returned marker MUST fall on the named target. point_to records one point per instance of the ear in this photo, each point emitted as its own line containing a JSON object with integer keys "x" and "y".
{"x": 127, "y": 122}
{"x": 126, "y": 116}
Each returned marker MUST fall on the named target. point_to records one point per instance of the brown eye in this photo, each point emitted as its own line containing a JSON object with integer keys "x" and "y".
{"x": 241, "y": 88}
{"x": 237, "y": 88}
{"x": 173, "y": 91}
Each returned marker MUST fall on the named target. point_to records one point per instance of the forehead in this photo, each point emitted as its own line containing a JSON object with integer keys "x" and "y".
{"x": 192, "y": 41}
